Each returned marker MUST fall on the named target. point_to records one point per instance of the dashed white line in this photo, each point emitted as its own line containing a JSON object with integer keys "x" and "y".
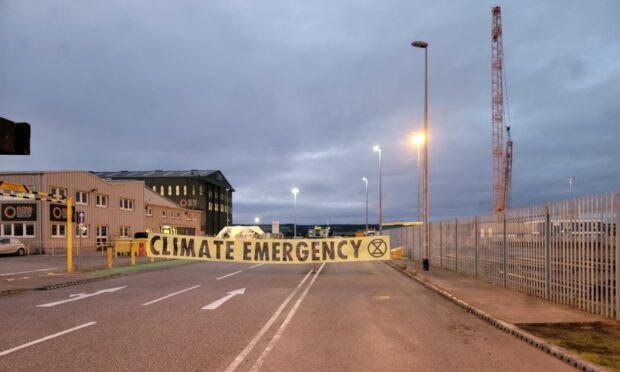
{"x": 3, "y": 353}
{"x": 227, "y": 275}
{"x": 251, "y": 267}
{"x": 248, "y": 349}
{"x": 278, "y": 335}
{"x": 170, "y": 295}
{"x": 31, "y": 271}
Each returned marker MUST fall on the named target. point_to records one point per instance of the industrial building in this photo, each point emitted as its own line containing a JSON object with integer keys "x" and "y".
{"x": 207, "y": 191}
{"x": 113, "y": 210}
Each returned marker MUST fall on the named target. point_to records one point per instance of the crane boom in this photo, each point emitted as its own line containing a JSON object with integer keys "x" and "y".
{"x": 500, "y": 154}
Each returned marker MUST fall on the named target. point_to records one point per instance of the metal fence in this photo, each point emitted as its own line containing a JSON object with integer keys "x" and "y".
{"x": 567, "y": 252}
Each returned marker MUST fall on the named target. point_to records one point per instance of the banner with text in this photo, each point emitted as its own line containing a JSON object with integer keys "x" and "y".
{"x": 276, "y": 251}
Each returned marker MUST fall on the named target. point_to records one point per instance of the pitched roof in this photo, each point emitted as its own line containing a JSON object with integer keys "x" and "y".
{"x": 212, "y": 176}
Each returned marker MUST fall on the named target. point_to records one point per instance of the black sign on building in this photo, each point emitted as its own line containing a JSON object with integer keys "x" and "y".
{"x": 207, "y": 191}
{"x": 19, "y": 212}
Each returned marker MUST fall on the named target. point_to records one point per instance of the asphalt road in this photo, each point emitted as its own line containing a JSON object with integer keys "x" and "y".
{"x": 199, "y": 317}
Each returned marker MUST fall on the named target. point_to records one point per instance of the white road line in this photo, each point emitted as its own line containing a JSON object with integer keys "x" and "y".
{"x": 171, "y": 294}
{"x": 227, "y": 275}
{"x": 251, "y": 267}
{"x": 3, "y": 353}
{"x": 215, "y": 304}
{"x": 81, "y": 296}
{"x": 278, "y": 335}
{"x": 31, "y": 271}
{"x": 248, "y": 349}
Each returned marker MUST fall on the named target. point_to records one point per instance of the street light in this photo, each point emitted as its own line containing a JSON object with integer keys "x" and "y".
{"x": 366, "y": 182}
{"x": 376, "y": 148}
{"x": 425, "y": 262}
{"x": 417, "y": 140}
{"x": 570, "y": 185}
{"x": 295, "y": 191}
{"x": 256, "y": 220}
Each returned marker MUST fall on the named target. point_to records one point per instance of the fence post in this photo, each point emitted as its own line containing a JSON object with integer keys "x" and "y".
{"x": 547, "y": 253}
{"x": 617, "y": 256}
{"x": 441, "y": 244}
{"x": 476, "y": 232}
{"x": 456, "y": 245}
{"x": 504, "y": 251}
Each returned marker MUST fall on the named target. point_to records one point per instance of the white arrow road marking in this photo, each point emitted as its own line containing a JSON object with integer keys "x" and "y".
{"x": 171, "y": 294}
{"x": 215, "y": 304}
{"x": 81, "y": 296}
{"x": 227, "y": 275}
{"x": 31, "y": 271}
{"x": 5, "y": 352}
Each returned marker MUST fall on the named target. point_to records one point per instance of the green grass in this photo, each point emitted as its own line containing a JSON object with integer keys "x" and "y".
{"x": 146, "y": 266}
{"x": 598, "y": 342}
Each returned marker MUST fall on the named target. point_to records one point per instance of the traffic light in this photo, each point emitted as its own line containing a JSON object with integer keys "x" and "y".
{"x": 14, "y": 138}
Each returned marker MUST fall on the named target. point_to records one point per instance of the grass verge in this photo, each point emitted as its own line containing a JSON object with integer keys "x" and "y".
{"x": 146, "y": 266}
{"x": 598, "y": 342}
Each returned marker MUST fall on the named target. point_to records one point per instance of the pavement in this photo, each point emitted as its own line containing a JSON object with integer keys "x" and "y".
{"x": 208, "y": 316}
{"x": 502, "y": 303}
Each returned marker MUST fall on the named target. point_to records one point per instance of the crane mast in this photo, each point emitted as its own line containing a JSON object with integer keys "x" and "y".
{"x": 501, "y": 156}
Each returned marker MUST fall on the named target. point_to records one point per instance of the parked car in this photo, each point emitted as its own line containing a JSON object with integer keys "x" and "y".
{"x": 12, "y": 245}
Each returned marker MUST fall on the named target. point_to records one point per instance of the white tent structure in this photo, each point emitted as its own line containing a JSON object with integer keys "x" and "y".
{"x": 241, "y": 232}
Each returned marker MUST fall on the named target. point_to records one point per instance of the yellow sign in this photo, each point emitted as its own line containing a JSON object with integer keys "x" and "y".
{"x": 276, "y": 251}
{"x": 17, "y": 187}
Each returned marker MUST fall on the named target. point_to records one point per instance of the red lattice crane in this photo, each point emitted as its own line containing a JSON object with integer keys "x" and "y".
{"x": 501, "y": 154}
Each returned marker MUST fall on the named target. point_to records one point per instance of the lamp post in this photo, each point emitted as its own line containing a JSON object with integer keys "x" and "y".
{"x": 418, "y": 140}
{"x": 295, "y": 191}
{"x": 376, "y": 148}
{"x": 366, "y": 182}
{"x": 227, "y": 207}
{"x": 256, "y": 220}
{"x": 570, "y": 185}
{"x": 425, "y": 262}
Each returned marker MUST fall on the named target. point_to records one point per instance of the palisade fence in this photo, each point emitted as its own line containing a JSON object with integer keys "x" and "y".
{"x": 567, "y": 252}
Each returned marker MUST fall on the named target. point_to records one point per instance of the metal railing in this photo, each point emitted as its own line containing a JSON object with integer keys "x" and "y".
{"x": 567, "y": 252}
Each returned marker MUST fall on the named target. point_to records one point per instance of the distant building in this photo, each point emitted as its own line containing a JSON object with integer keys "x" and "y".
{"x": 113, "y": 210}
{"x": 207, "y": 191}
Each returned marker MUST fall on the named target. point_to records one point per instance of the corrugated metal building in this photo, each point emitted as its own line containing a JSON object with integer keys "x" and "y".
{"x": 113, "y": 209}
{"x": 207, "y": 191}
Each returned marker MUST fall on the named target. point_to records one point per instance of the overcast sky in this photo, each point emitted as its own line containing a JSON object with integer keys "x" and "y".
{"x": 279, "y": 94}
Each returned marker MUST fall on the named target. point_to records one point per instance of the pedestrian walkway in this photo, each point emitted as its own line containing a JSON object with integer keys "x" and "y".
{"x": 502, "y": 303}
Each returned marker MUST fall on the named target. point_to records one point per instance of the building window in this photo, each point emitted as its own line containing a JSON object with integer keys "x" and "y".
{"x": 124, "y": 232}
{"x": 217, "y": 206}
{"x": 84, "y": 231}
{"x": 17, "y": 229}
{"x": 193, "y": 190}
{"x": 210, "y": 194}
{"x": 195, "y": 217}
{"x": 163, "y": 214}
{"x": 161, "y": 190}
{"x": 210, "y": 206}
{"x": 58, "y": 230}
{"x": 169, "y": 190}
{"x": 200, "y": 190}
{"x": 81, "y": 197}
{"x": 148, "y": 211}
{"x": 102, "y": 200}
{"x": 178, "y": 215}
{"x": 154, "y": 188}
{"x": 126, "y": 204}
{"x": 184, "y": 190}
{"x": 102, "y": 236}
{"x": 188, "y": 216}
{"x": 58, "y": 191}
{"x": 177, "y": 190}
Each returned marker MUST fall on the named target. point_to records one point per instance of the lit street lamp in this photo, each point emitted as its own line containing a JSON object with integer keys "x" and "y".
{"x": 425, "y": 262}
{"x": 418, "y": 140}
{"x": 570, "y": 185}
{"x": 295, "y": 191}
{"x": 376, "y": 148}
{"x": 366, "y": 182}
{"x": 256, "y": 220}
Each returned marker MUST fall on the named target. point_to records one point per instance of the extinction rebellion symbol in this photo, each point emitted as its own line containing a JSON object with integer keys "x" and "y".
{"x": 377, "y": 248}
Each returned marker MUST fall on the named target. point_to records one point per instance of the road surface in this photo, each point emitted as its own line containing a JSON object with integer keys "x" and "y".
{"x": 232, "y": 317}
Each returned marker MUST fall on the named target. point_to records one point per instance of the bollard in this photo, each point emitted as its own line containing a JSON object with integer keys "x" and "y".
{"x": 132, "y": 253}
{"x": 109, "y": 257}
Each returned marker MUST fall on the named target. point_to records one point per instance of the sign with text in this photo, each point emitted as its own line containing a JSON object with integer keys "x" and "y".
{"x": 19, "y": 212}
{"x": 275, "y": 227}
{"x": 276, "y": 251}
{"x": 58, "y": 213}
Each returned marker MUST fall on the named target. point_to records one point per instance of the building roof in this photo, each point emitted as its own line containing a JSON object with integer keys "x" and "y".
{"x": 212, "y": 176}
